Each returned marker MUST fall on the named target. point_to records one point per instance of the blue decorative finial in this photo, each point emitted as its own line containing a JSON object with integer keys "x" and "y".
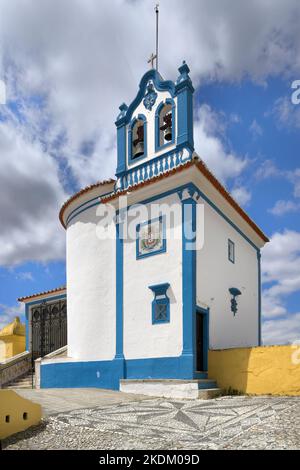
{"x": 184, "y": 72}
{"x": 123, "y": 108}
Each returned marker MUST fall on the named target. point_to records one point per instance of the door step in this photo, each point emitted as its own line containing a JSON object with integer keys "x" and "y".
{"x": 172, "y": 388}
{"x": 209, "y": 393}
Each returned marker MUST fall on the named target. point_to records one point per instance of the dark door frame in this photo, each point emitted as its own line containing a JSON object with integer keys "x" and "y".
{"x": 205, "y": 313}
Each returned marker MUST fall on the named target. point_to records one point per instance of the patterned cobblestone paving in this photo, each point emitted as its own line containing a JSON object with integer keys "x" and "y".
{"x": 223, "y": 423}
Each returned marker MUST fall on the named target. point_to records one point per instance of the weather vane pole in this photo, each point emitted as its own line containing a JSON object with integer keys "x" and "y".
{"x": 155, "y": 57}
{"x": 157, "y": 17}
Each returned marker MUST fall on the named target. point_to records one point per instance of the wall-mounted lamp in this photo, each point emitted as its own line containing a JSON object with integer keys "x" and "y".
{"x": 235, "y": 293}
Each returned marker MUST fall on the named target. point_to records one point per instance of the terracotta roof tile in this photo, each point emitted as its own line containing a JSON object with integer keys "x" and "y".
{"x": 80, "y": 193}
{"x": 52, "y": 291}
{"x": 200, "y": 165}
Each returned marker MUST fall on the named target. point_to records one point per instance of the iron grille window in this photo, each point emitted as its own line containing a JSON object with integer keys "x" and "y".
{"x": 161, "y": 312}
{"x": 48, "y": 327}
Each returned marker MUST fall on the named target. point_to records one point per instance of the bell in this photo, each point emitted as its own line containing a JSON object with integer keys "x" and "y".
{"x": 138, "y": 150}
{"x": 168, "y": 134}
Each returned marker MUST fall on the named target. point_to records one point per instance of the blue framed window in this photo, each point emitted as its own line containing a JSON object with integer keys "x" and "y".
{"x": 165, "y": 124}
{"x": 160, "y": 304}
{"x": 151, "y": 238}
{"x": 231, "y": 251}
{"x": 137, "y": 139}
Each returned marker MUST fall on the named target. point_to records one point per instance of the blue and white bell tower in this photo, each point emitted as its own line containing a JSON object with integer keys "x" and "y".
{"x": 155, "y": 133}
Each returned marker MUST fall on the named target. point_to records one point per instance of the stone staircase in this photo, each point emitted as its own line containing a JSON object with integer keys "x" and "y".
{"x": 25, "y": 381}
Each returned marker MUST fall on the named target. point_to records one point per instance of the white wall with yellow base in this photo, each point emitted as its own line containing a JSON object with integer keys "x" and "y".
{"x": 17, "y": 413}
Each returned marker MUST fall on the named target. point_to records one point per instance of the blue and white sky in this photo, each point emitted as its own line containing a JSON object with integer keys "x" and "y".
{"x": 69, "y": 64}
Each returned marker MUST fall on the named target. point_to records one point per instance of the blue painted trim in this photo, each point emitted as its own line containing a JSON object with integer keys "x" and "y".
{"x": 193, "y": 187}
{"x": 189, "y": 271}
{"x": 160, "y": 298}
{"x": 97, "y": 374}
{"x": 119, "y": 292}
{"x": 163, "y": 249}
{"x": 106, "y": 374}
{"x": 121, "y": 148}
{"x": 160, "y": 107}
{"x": 71, "y": 217}
{"x": 205, "y": 313}
{"x": 159, "y": 84}
{"x": 259, "y": 298}
{"x": 28, "y": 305}
{"x": 153, "y": 167}
{"x": 184, "y": 92}
{"x": 131, "y": 160}
{"x": 231, "y": 244}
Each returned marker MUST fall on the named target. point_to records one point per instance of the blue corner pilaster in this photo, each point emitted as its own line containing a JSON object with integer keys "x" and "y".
{"x": 259, "y": 295}
{"x": 119, "y": 297}
{"x": 184, "y": 92}
{"x": 121, "y": 139}
{"x": 189, "y": 211}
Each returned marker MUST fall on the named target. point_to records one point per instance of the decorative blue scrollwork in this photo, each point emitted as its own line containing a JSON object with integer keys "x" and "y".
{"x": 150, "y": 97}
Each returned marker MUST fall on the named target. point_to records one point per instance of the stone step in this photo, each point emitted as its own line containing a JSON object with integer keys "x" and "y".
{"x": 209, "y": 393}
{"x": 22, "y": 382}
{"x": 171, "y": 388}
{"x": 207, "y": 383}
{"x": 28, "y": 379}
{"x": 19, "y": 387}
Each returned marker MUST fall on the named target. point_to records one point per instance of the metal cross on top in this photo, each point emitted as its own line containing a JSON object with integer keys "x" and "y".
{"x": 155, "y": 56}
{"x": 152, "y": 59}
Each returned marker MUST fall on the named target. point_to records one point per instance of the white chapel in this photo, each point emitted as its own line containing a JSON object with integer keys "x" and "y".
{"x": 162, "y": 263}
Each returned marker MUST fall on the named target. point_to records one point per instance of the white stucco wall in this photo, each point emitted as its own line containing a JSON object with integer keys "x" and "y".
{"x": 142, "y": 339}
{"x": 150, "y": 116}
{"x": 216, "y": 274}
{"x": 91, "y": 278}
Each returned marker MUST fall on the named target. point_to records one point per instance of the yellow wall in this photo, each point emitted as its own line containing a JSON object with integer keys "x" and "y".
{"x": 271, "y": 370}
{"x": 16, "y": 413}
{"x": 11, "y": 346}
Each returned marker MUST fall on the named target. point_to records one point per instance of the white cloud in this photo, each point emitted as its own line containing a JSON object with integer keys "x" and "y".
{"x": 294, "y": 177}
{"x": 286, "y": 113}
{"x": 280, "y": 268}
{"x": 282, "y": 331}
{"x": 25, "y": 276}
{"x": 69, "y": 65}
{"x": 284, "y": 207}
{"x": 255, "y": 129}
{"x": 241, "y": 195}
{"x": 267, "y": 170}
{"x": 31, "y": 195}
{"x": 86, "y": 58}
{"x": 208, "y": 131}
{"x": 8, "y": 313}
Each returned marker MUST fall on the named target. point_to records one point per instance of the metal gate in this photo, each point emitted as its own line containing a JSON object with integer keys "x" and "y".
{"x": 48, "y": 328}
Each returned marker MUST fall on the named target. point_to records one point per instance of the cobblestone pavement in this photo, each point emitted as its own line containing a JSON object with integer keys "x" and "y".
{"x": 223, "y": 423}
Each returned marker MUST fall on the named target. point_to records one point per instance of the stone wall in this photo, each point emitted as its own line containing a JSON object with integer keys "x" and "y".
{"x": 273, "y": 370}
{"x": 15, "y": 367}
